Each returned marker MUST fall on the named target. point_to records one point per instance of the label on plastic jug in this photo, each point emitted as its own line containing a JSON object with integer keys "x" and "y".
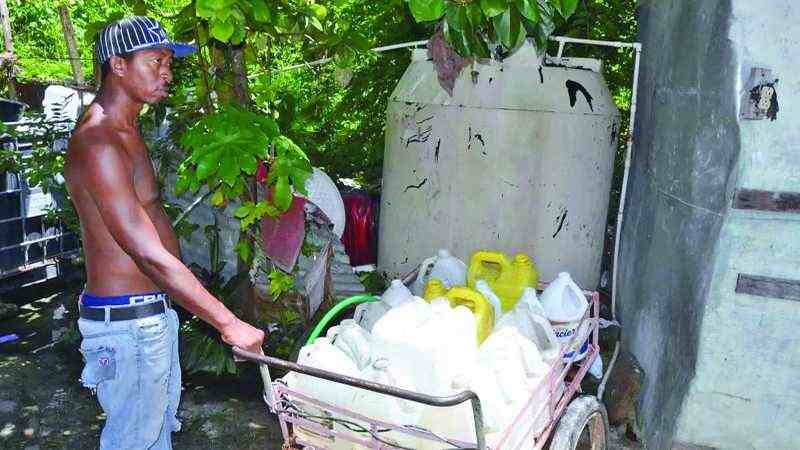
{"x": 565, "y": 332}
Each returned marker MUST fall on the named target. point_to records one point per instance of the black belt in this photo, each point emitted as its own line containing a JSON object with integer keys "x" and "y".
{"x": 125, "y": 313}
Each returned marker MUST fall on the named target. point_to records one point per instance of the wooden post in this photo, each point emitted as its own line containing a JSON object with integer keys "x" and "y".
{"x": 72, "y": 47}
{"x": 7, "y": 59}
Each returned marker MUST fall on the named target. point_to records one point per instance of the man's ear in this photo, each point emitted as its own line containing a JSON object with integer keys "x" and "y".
{"x": 118, "y": 66}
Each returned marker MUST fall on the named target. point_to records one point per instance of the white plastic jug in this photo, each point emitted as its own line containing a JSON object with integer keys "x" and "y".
{"x": 454, "y": 423}
{"x": 509, "y": 369}
{"x": 528, "y": 317}
{"x": 385, "y": 408}
{"x": 435, "y": 331}
{"x": 324, "y": 355}
{"x": 396, "y": 294}
{"x": 444, "y": 266}
{"x": 449, "y": 337}
{"x": 565, "y": 305}
{"x": 367, "y": 314}
{"x": 353, "y": 340}
{"x": 483, "y": 287}
{"x": 396, "y": 324}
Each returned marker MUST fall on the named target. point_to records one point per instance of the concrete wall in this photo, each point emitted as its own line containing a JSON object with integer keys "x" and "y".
{"x": 686, "y": 143}
{"x": 718, "y": 364}
{"x": 744, "y": 392}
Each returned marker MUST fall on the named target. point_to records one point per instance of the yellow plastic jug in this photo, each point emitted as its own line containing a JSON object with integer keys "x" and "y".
{"x": 477, "y": 303}
{"x": 434, "y": 288}
{"x": 508, "y": 279}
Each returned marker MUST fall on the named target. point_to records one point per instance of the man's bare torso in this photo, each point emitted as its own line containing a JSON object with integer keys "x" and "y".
{"x": 109, "y": 269}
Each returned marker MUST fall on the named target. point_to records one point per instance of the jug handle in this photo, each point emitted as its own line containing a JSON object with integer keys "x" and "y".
{"x": 496, "y": 258}
{"x": 423, "y": 268}
{"x": 426, "y": 264}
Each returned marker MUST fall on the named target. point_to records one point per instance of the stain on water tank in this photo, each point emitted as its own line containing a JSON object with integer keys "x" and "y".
{"x": 573, "y": 87}
{"x": 560, "y": 220}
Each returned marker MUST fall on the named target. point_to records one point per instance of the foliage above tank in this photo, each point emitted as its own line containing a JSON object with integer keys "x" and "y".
{"x": 473, "y": 27}
{"x": 470, "y": 30}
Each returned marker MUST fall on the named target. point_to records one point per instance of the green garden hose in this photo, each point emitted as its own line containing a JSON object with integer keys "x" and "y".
{"x": 334, "y": 312}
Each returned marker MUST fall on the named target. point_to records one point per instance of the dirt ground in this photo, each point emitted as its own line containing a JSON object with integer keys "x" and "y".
{"x": 43, "y": 406}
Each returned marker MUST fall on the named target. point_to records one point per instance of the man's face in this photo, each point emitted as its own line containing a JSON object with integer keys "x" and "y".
{"x": 147, "y": 74}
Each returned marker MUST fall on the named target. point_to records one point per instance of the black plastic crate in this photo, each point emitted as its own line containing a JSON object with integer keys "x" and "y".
{"x": 71, "y": 242}
{"x": 11, "y": 232}
{"x": 10, "y": 110}
{"x": 9, "y": 181}
{"x": 53, "y": 246}
{"x": 10, "y": 205}
{"x": 11, "y": 258}
{"x": 34, "y": 252}
{"x": 33, "y": 228}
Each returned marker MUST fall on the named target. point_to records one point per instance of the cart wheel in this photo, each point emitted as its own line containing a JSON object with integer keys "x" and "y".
{"x": 584, "y": 426}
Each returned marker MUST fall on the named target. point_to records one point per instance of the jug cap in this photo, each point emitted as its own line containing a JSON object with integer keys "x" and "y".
{"x": 522, "y": 259}
{"x": 380, "y": 364}
{"x": 444, "y": 253}
{"x": 434, "y": 289}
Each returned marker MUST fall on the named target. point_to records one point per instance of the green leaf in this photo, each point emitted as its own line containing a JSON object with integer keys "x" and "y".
{"x": 229, "y": 169}
{"x": 316, "y": 23}
{"x": 182, "y": 183}
{"x": 478, "y": 46}
{"x": 565, "y": 7}
{"x": 475, "y": 16}
{"x": 244, "y": 251}
{"x": 208, "y": 165}
{"x": 217, "y": 198}
{"x": 207, "y": 8}
{"x": 299, "y": 177}
{"x": 194, "y": 185}
{"x": 283, "y": 194}
{"x": 248, "y": 164}
{"x": 529, "y": 9}
{"x": 222, "y": 30}
{"x": 457, "y": 17}
{"x": 457, "y": 39}
{"x": 507, "y": 26}
{"x": 319, "y": 11}
{"x": 261, "y": 12}
{"x": 494, "y": 8}
{"x": 243, "y": 211}
{"x": 426, "y": 10}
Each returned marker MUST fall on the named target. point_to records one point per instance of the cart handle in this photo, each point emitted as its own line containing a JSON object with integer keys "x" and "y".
{"x": 429, "y": 400}
{"x": 334, "y": 312}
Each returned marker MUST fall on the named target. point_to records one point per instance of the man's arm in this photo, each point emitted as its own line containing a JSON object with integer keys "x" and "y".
{"x": 109, "y": 182}
{"x": 164, "y": 228}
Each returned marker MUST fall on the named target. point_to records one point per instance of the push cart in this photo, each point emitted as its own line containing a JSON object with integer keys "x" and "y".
{"x": 553, "y": 417}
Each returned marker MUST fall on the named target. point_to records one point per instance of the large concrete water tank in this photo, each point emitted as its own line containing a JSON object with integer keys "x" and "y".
{"x": 520, "y": 158}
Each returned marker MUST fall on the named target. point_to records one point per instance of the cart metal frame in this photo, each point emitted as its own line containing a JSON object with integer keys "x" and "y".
{"x": 291, "y": 406}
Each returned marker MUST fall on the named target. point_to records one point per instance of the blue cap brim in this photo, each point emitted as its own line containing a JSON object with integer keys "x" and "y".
{"x": 179, "y": 49}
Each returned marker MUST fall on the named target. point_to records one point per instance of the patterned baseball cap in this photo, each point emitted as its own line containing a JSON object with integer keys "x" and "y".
{"x": 136, "y": 33}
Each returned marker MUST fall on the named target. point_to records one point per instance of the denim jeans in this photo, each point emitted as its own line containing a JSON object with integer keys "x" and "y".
{"x": 133, "y": 367}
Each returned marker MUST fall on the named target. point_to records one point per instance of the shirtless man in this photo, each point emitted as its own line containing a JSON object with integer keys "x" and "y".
{"x": 133, "y": 266}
